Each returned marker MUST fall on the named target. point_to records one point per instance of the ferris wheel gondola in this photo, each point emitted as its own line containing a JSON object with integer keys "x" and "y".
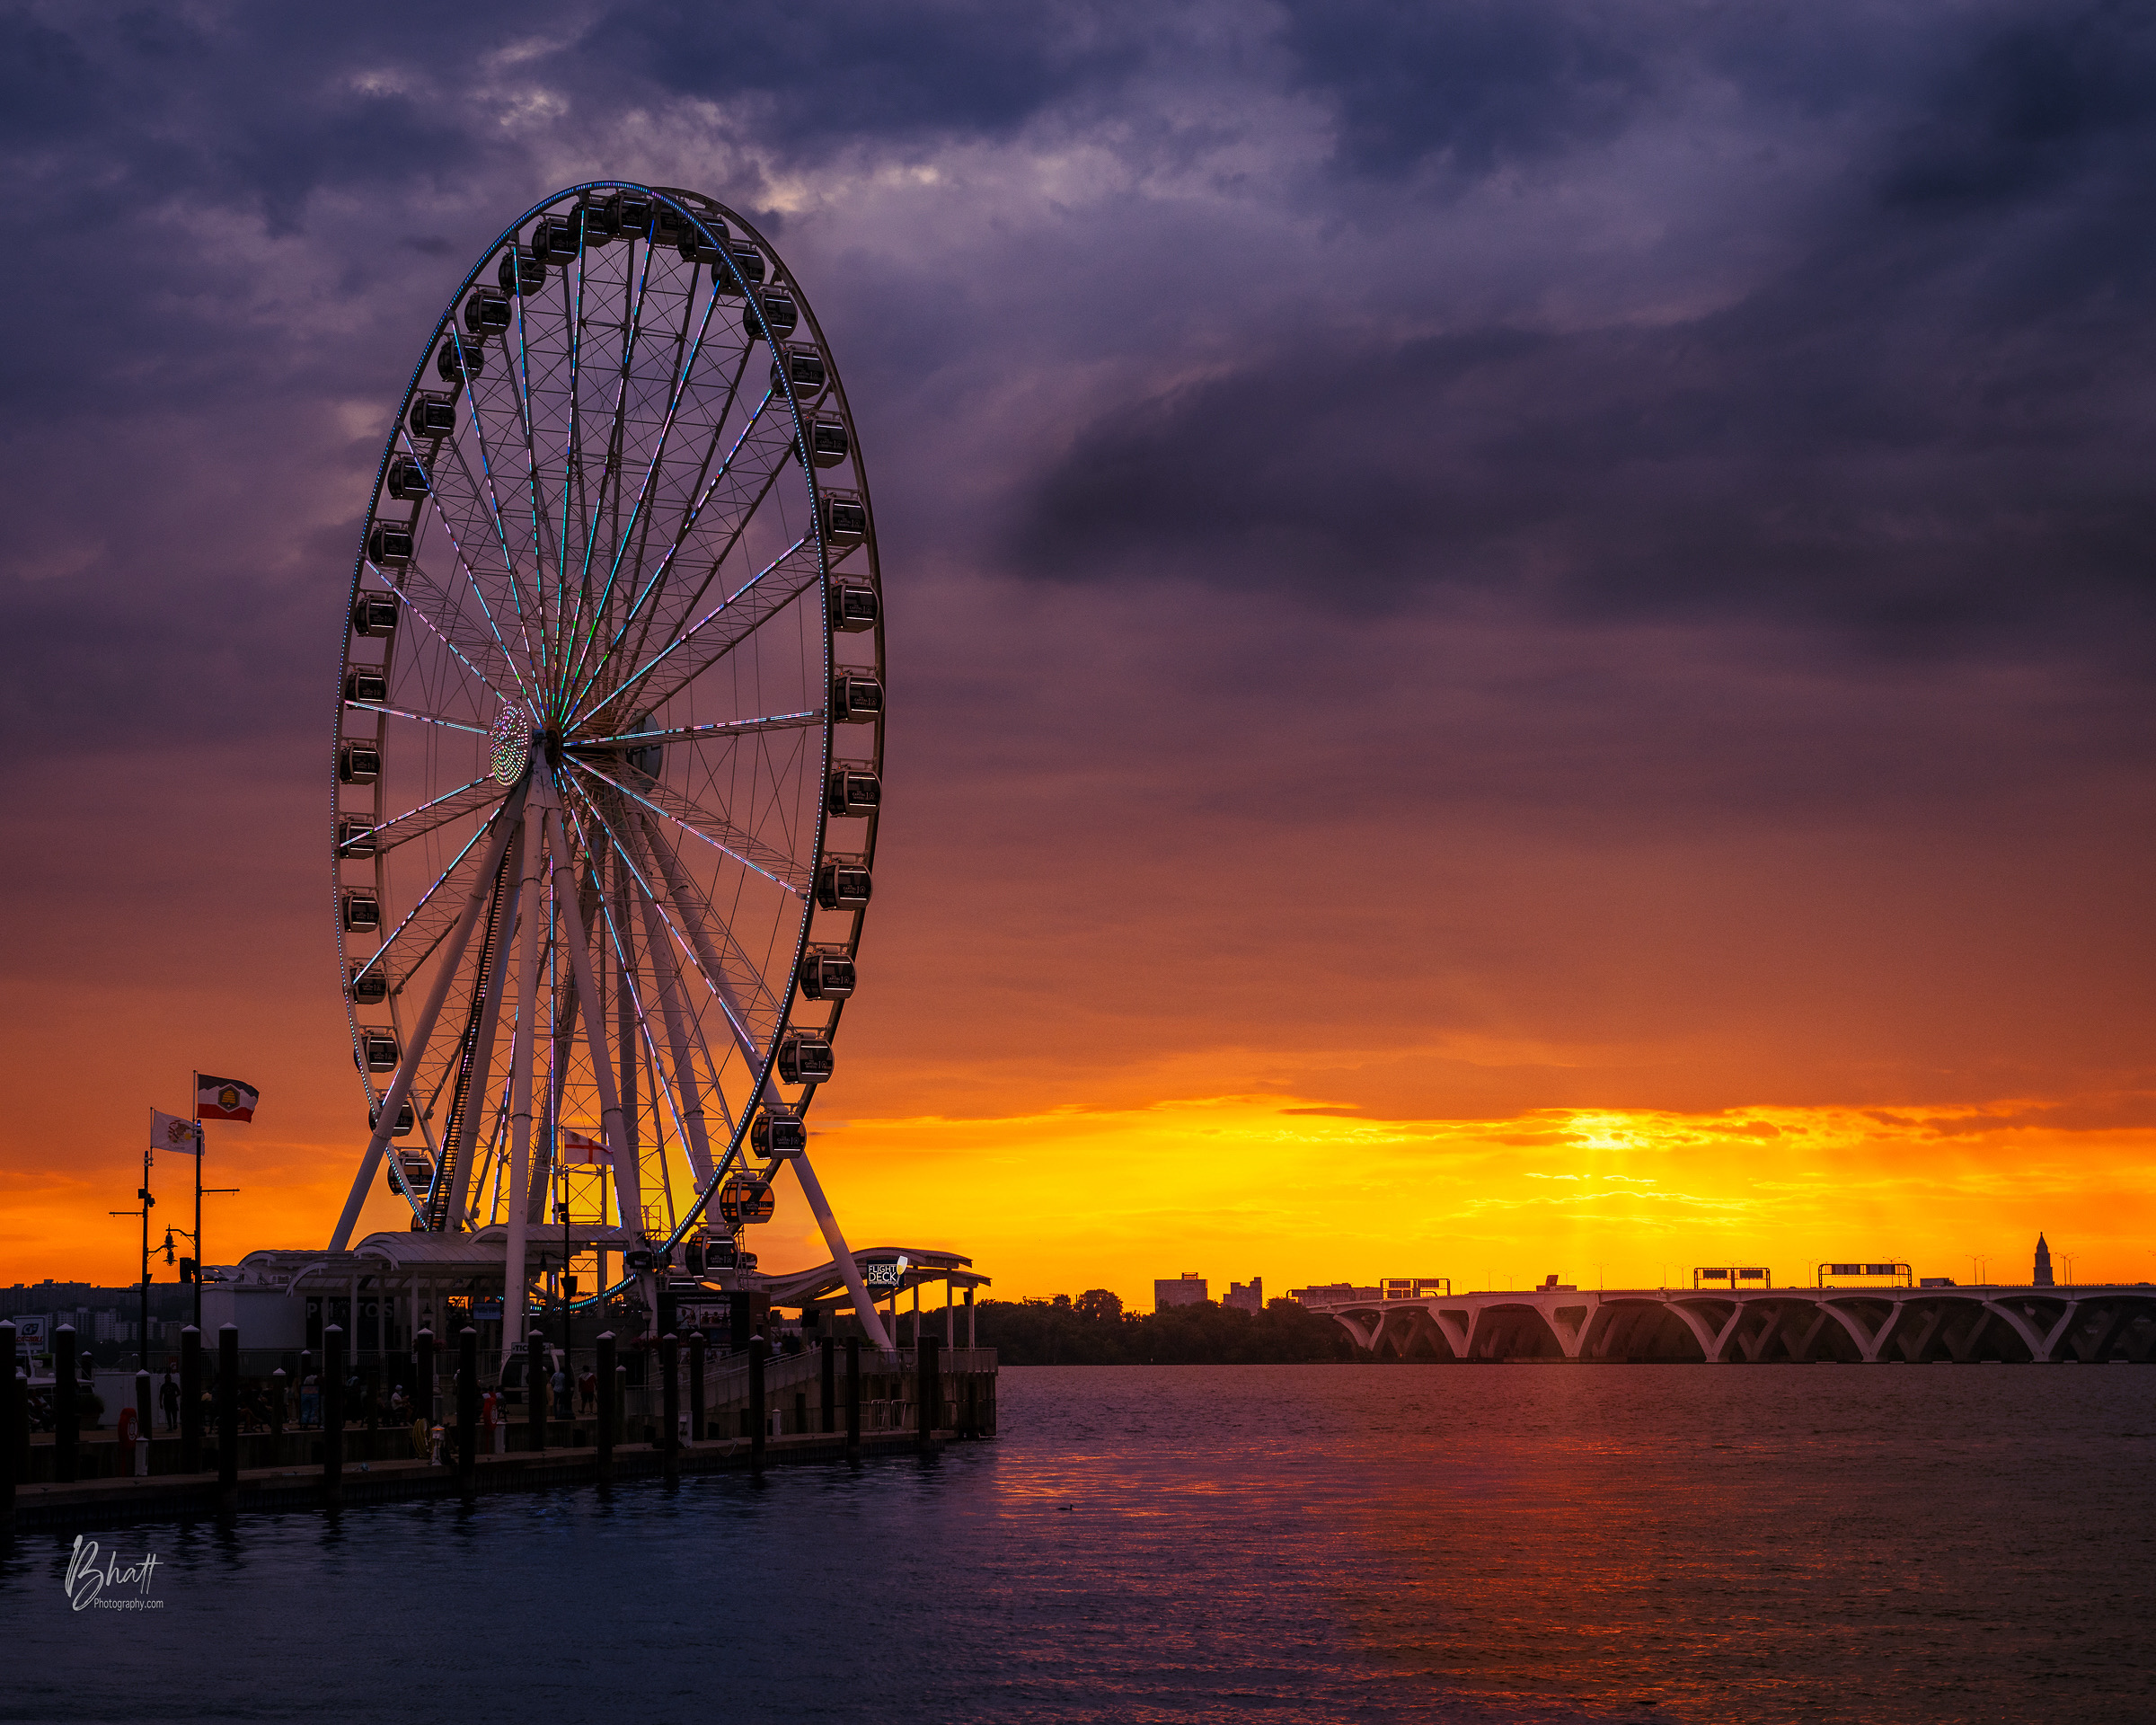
{"x": 607, "y": 766}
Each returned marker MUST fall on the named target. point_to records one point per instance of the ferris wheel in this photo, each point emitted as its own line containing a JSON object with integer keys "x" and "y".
{"x": 609, "y": 738}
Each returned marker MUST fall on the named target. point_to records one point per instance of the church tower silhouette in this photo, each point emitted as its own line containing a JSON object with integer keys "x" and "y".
{"x": 2041, "y": 1277}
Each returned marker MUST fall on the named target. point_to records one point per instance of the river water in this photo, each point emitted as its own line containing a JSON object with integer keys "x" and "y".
{"x": 1516, "y": 1544}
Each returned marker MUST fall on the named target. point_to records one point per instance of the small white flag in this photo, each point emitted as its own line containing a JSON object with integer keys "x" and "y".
{"x": 174, "y": 1132}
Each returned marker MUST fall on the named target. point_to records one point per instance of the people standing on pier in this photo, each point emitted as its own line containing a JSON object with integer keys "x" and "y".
{"x": 588, "y": 1390}
{"x": 310, "y": 1401}
{"x": 561, "y": 1389}
{"x": 168, "y": 1396}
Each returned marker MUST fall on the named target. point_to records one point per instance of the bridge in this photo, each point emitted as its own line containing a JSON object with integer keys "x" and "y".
{"x": 1866, "y": 1325}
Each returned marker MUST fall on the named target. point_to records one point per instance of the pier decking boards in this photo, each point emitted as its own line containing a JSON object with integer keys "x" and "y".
{"x": 1846, "y": 1324}
{"x": 91, "y": 1503}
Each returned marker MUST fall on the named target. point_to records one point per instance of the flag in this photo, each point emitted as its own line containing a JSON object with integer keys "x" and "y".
{"x": 578, "y": 1148}
{"x": 174, "y": 1132}
{"x": 225, "y": 1099}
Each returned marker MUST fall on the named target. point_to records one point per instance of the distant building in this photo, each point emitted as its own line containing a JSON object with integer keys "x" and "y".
{"x": 1187, "y": 1290}
{"x": 2041, "y": 1276}
{"x": 1246, "y": 1297}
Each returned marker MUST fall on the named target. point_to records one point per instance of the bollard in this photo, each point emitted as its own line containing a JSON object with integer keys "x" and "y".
{"x": 828, "y": 1390}
{"x": 852, "y": 1398}
{"x": 228, "y": 1414}
{"x": 333, "y": 1412}
{"x": 696, "y": 1431}
{"x": 669, "y": 1399}
{"x": 66, "y": 1414}
{"x": 278, "y": 1386}
{"x": 538, "y": 1386}
{"x": 757, "y": 1416}
{"x": 467, "y": 1403}
{"x": 422, "y": 1388}
{"x": 146, "y": 1422}
{"x": 605, "y": 1369}
{"x": 11, "y": 1445}
{"x": 307, "y": 1374}
{"x": 190, "y": 1400}
{"x": 928, "y": 1391}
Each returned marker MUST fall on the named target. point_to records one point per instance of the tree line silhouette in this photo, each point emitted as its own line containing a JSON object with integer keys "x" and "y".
{"x": 1094, "y": 1330}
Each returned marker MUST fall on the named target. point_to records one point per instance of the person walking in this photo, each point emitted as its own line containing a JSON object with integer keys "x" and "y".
{"x": 561, "y": 1389}
{"x": 168, "y": 1396}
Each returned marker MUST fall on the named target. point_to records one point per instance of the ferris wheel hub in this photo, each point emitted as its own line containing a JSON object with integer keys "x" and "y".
{"x": 511, "y": 740}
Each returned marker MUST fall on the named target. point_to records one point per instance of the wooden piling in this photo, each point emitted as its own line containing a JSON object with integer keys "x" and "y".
{"x": 538, "y": 1385}
{"x": 66, "y": 1414}
{"x": 697, "y": 1433}
{"x": 669, "y": 1399}
{"x": 928, "y": 1389}
{"x": 332, "y": 1413}
{"x": 853, "y": 1398}
{"x": 827, "y": 1387}
{"x": 229, "y": 1416}
{"x": 191, "y": 1398}
{"x": 422, "y": 1389}
{"x": 606, "y": 1405}
{"x": 758, "y": 1418}
{"x": 10, "y": 1416}
{"x": 467, "y": 1403}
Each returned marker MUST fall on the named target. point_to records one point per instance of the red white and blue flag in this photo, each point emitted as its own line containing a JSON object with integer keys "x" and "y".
{"x": 225, "y": 1099}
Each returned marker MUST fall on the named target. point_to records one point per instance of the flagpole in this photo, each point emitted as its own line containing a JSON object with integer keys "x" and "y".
{"x": 144, "y": 1331}
{"x": 198, "y": 1252}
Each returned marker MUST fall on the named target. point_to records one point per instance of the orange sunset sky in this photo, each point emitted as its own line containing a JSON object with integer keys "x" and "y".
{"x": 1546, "y": 696}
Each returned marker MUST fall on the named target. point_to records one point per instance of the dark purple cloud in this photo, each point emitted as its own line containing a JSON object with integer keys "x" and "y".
{"x": 1315, "y": 448}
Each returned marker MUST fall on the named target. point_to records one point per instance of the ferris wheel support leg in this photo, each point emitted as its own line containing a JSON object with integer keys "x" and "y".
{"x": 531, "y": 843}
{"x": 613, "y": 1128}
{"x": 480, "y": 1084}
{"x": 385, "y": 1116}
{"x": 864, "y": 1308}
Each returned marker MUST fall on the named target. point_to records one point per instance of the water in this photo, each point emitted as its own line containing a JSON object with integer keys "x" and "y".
{"x": 1521, "y": 1543}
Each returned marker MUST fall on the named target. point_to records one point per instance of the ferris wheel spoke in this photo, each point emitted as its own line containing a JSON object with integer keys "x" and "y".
{"x": 714, "y": 974}
{"x": 717, "y": 733}
{"x": 463, "y": 563}
{"x": 443, "y": 816}
{"x": 764, "y": 594}
{"x": 702, "y": 920}
{"x": 414, "y": 914}
{"x": 535, "y": 658}
{"x": 683, "y": 367}
{"x": 417, "y": 717}
{"x": 775, "y": 865}
{"x": 673, "y": 1010}
{"x": 405, "y": 599}
{"x": 635, "y": 284}
{"x": 681, "y": 538}
{"x": 543, "y": 541}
